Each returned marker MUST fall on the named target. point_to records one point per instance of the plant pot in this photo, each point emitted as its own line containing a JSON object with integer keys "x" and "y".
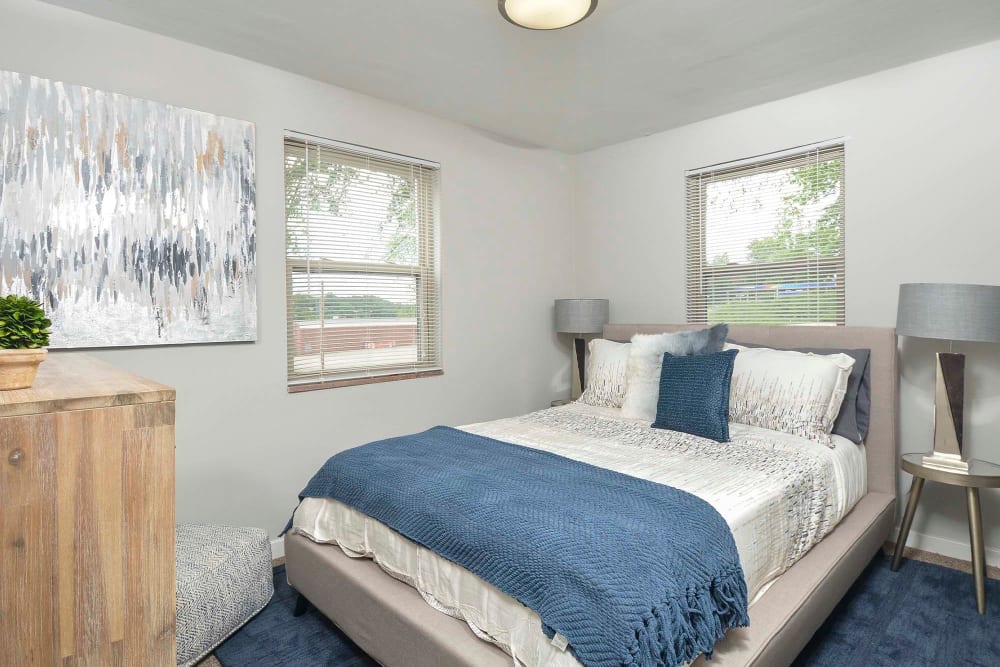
{"x": 18, "y": 367}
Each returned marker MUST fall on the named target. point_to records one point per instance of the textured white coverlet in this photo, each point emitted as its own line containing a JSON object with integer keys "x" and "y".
{"x": 779, "y": 494}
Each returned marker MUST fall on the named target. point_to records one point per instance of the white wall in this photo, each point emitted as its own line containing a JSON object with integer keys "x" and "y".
{"x": 244, "y": 446}
{"x": 921, "y": 175}
{"x": 922, "y": 182}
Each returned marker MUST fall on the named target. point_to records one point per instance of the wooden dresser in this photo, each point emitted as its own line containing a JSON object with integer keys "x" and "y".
{"x": 87, "y": 518}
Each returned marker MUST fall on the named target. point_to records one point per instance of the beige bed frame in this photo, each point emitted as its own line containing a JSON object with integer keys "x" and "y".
{"x": 395, "y": 626}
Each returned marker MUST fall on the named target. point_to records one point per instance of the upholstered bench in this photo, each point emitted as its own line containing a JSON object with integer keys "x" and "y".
{"x": 223, "y": 579}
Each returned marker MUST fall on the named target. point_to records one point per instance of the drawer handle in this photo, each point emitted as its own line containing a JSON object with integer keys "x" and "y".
{"x": 16, "y": 457}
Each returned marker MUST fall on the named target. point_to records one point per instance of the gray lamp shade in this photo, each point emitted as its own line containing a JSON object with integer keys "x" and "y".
{"x": 949, "y": 312}
{"x": 581, "y": 316}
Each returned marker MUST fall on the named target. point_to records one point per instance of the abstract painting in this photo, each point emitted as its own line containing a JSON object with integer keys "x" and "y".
{"x": 133, "y": 222}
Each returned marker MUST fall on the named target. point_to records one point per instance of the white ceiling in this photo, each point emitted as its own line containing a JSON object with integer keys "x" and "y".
{"x": 633, "y": 68}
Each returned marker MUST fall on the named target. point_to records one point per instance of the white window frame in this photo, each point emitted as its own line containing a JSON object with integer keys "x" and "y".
{"x": 426, "y": 274}
{"x": 699, "y": 270}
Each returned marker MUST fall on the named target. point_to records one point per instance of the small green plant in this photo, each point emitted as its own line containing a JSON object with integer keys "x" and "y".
{"x": 23, "y": 324}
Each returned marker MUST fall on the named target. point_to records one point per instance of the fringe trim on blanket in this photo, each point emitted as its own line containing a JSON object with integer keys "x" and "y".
{"x": 682, "y": 628}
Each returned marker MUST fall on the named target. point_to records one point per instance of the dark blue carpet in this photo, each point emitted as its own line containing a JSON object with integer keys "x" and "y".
{"x": 923, "y": 615}
{"x": 274, "y": 637}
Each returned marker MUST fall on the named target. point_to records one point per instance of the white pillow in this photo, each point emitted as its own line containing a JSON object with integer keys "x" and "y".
{"x": 606, "y": 373}
{"x": 792, "y": 392}
{"x": 645, "y": 360}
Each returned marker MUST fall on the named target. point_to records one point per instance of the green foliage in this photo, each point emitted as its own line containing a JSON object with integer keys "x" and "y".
{"x": 793, "y": 239}
{"x": 786, "y": 244}
{"x": 815, "y": 182}
{"x": 320, "y": 187}
{"x": 316, "y": 186}
{"x": 770, "y": 311}
{"x": 307, "y": 307}
{"x": 402, "y": 214}
{"x": 23, "y": 324}
{"x": 789, "y": 240}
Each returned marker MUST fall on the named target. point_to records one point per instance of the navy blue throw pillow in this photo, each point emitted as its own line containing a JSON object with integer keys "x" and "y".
{"x": 694, "y": 394}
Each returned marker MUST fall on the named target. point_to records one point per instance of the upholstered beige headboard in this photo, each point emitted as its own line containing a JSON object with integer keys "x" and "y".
{"x": 881, "y": 444}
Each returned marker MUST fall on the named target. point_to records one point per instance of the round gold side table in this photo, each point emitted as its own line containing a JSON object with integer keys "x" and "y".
{"x": 981, "y": 475}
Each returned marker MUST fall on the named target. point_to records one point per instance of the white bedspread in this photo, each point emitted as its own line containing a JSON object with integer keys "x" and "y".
{"x": 779, "y": 493}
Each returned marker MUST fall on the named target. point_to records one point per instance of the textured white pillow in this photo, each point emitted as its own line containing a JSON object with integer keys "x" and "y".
{"x": 792, "y": 392}
{"x": 606, "y": 373}
{"x": 645, "y": 360}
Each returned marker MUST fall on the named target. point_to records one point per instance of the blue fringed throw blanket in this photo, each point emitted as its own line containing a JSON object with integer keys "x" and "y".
{"x": 630, "y": 572}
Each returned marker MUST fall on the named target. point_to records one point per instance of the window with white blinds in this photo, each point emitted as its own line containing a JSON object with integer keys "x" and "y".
{"x": 363, "y": 286}
{"x": 765, "y": 239}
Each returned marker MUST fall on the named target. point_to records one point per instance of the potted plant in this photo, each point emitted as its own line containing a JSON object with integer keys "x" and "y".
{"x": 24, "y": 333}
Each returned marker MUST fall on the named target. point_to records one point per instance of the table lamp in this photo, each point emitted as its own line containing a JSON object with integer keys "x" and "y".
{"x": 580, "y": 317}
{"x": 949, "y": 312}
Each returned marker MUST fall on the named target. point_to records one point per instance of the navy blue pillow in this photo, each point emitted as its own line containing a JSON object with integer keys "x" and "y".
{"x": 694, "y": 394}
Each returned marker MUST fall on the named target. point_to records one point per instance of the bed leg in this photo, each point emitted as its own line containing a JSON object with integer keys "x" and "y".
{"x": 301, "y": 605}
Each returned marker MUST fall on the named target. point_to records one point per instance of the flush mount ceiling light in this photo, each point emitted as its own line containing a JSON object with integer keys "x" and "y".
{"x": 546, "y": 14}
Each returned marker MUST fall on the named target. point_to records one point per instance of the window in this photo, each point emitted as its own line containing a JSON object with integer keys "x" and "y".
{"x": 363, "y": 291}
{"x": 765, "y": 239}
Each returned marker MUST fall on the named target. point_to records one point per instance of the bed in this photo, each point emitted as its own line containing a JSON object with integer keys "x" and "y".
{"x": 379, "y": 607}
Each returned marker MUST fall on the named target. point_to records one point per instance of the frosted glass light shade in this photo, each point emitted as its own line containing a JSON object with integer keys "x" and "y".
{"x": 546, "y": 14}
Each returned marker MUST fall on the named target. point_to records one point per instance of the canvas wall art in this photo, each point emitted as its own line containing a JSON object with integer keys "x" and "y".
{"x": 133, "y": 222}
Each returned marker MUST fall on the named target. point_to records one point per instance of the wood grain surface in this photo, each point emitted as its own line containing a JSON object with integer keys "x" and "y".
{"x": 87, "y": 521}
{"x": 76, "y": 381}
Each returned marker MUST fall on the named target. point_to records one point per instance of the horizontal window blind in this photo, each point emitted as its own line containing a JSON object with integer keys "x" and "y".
{"x": 765, "y": 239}
{"x": 363, "y": 285}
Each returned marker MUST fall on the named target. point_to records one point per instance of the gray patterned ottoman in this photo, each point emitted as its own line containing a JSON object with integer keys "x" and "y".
{"x": 223, "y": 578}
